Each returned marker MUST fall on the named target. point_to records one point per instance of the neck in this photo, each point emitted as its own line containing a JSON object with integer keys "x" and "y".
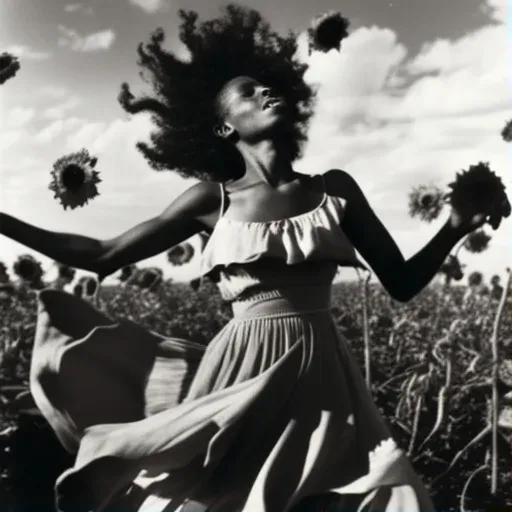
{"x": 265, "y": 162}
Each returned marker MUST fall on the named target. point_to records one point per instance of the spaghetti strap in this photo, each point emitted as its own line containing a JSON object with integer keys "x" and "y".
{"x": 324, "y": 188}
{"x": 222, "y": 200}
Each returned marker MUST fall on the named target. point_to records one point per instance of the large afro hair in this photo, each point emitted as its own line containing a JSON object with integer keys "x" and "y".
{"x": 183, "y": 104}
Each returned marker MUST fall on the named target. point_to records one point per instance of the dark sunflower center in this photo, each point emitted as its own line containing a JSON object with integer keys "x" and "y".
{"x": 73, "y": 177}
{"x": 5, "y": 61}
{"x": 90, "y": 287}
{"x": 126, "y": 272}
{"x": 148, "y": 280}
{"x": 426, "y": 200}
{"x": 27, "y": 269}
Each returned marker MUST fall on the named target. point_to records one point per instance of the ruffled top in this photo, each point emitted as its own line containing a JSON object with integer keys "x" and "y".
{"x": 314, "y": 236}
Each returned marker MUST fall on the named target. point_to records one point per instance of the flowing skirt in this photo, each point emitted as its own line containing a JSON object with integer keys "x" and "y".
{"x": 272, "y": 416}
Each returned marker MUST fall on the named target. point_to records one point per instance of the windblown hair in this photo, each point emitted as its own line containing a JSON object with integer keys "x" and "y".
{"x": 238, "y": 43}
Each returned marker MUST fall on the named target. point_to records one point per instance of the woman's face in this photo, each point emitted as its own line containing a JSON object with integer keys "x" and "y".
{"x": 250, "y": 109}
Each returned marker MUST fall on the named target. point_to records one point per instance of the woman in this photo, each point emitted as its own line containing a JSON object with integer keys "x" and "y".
{"x": 276, "y": 415}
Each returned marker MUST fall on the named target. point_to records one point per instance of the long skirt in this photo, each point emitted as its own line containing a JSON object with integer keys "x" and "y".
{"x": 272, "y": 416}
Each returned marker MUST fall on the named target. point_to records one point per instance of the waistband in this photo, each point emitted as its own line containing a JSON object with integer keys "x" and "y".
{"x": 278, "y": 303}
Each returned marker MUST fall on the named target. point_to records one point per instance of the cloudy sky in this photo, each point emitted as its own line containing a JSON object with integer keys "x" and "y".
{"x": 420, "y": 90}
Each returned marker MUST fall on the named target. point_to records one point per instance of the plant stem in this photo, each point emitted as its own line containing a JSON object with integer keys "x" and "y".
{"x": 494, "y": 377}
{"x": 366, "y": 330}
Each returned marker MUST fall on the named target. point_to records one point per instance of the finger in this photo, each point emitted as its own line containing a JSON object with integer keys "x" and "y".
{"x": 495, "y": 222}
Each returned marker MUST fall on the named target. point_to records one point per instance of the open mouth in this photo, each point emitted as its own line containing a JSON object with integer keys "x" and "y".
{"x": 272, "y": 103}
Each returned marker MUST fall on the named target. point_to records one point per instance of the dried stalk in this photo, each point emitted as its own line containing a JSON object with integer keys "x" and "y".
{"x": 494, "y": 377}
{"x": 445, "y": 389}
{"x": 457, "y": 457}
{"x": 400, "y": 375}
{"x": 417, "y": 413}
{"x": 466, "y": 487}
{"x": 366, "y": 330}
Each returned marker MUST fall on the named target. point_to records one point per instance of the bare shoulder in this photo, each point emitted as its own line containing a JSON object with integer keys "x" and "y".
{"x": 341, "y": 184}
{"x": 201, "y": 201}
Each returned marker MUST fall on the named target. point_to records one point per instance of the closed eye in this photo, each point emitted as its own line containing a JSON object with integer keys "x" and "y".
{"x": 248, "y": 91}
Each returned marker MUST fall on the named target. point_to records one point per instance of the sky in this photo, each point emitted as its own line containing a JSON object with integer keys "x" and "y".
{"x": 420, "y": 90}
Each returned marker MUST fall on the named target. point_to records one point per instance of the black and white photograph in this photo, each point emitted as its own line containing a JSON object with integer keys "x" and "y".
{"x": 255, "y": 256}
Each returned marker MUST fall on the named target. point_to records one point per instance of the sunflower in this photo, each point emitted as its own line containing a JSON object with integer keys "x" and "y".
{"x": 89, "y": 285}
{"x": 195, "y": 284}
{"x": 477, "y": 241}
{"x": 127, "y": 272}
{"x": 9, "y": 66}
{"x": 28, "y": 269}
{"x": 452, "y": 268}
{"x": 426, "y": 202}
{"x": 74, "y": 179}
{"x": 495, "y": 280}
{"x": 78, "y": 290}
{"x": 180, "y": 254}
{"x": 150, "y": 278}
{"x": 327, "y": 31}
{"x": 475, "y": 279}
{"x": 66, "y": 273}
{"x": 506, "y": 133}
{"x": 496, "y": 291}
{"x": 478, "y": 190}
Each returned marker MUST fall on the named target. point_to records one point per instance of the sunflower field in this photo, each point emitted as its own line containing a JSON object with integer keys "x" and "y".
{"x": 429, "y": 364}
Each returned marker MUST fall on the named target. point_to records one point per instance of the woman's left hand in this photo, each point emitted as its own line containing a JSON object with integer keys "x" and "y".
{"x": 467, "y": 222}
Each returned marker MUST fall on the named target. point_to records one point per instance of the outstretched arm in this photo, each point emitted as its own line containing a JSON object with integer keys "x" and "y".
{"x": 187, "y": 215}
{"x": 403, "y": 279}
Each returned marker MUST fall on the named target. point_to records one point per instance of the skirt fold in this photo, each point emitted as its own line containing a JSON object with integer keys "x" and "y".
{"x": 271, "y": 414}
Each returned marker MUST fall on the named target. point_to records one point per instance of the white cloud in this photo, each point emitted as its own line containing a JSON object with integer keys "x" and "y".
{"x": 18, "y": 117}
{"x": 61, "y": 109}
{"x": 394, "y": 121}
{"x": 9, "y": 138}
{"x": 26, "y": 52}
{"x": 97, "y": 41}
{"x": 56, "y": 129}
{"x": 53, "y": 91}
{"x": 151, "y": 6}
{"x": 70, "y": 8}
{"x": 498, "y": 10}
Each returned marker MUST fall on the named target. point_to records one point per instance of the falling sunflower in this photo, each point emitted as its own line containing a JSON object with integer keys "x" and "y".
{"x": 9, "y": 66}
{"x": 74, "y": 179}
{"x": 327, "y": 31}
{"x": 426, "y": 202}
{"x": 506, "y": 133}
{"x": 479, "y": 190}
